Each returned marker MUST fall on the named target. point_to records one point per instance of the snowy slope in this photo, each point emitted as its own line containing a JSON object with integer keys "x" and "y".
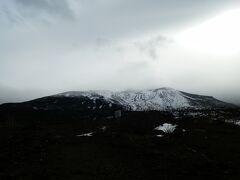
{"x": 153, "y": 99}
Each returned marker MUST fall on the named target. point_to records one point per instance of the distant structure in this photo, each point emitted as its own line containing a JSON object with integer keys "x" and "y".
{"x": 118, "y": 114}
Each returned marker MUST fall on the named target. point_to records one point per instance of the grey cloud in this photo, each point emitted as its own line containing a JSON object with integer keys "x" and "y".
{"x": 50, "y": 6}
{"x": 151, "y": 46}
{"x": 38, "y": 10}
{"x": 37, "y": 3}
{"x": 115, "y": 18}
{"x": 103, "y": 42}
{"x": 12, "y": 94}
{"x": 97, "y": 44}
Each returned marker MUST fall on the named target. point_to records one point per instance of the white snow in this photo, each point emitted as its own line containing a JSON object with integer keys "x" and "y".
{"x": 157, "y": 99}
{"x": 196, "y": 114}
{"x": 141, "y": 100}
{"x": 232, "y": 121}
{"x": 87, "y": 134}
{"x": 237, "y": 122}
{"x": 103, "y": 128}
{"x": 166, "y": 128}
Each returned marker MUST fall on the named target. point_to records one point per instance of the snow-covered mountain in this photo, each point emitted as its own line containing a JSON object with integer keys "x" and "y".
{"x": 161, "y": 99}
{"x": 153, "y": 99}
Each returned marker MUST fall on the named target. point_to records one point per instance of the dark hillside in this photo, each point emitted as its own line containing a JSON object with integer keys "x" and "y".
{"x": 50, "y": 145}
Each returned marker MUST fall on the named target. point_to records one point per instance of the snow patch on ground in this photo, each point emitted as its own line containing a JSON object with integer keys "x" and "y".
{"x": 237, "y": 122}
{"x": 232, "y": 121}
{"x": 103, "y": 128}
{"x": 84, "y": 135}
{"x": 166, "y": 128}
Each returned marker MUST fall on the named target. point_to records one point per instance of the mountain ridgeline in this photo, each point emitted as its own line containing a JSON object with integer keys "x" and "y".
{"x": 151, "y": 134}
{"x": 161, "y": 99}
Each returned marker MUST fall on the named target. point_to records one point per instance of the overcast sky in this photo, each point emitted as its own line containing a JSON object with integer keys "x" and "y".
{"x": 51, "y": 46}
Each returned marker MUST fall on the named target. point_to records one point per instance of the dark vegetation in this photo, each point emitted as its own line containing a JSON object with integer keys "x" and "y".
{"x": 38, "y": 144}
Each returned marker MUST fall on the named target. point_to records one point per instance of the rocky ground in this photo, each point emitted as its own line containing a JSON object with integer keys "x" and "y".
{"x": 202, "y": 146}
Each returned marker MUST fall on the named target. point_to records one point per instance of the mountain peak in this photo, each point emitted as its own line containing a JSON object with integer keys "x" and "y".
{"x": 159, "y": 99}
{"x": 164, "y": 98}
